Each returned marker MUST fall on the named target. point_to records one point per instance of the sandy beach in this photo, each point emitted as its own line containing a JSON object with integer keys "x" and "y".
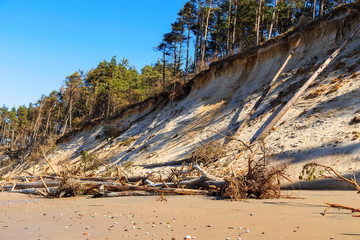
{"x": 29, "y": 217}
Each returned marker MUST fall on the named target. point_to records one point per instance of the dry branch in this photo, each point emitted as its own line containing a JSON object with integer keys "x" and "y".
{"x": 122, "y": 194}
{"x": 205, "y": 180}
{"x": 47, "y": 161}
{"x": 334, "y": 205}
{"x": 310, "y": 169}
{"x": 38, "y": 184}
{"x": 46, "y": 187}
{"x": 180, "y": 191}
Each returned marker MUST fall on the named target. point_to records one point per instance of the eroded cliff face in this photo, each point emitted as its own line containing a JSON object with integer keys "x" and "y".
{"x": 318, "y": 127}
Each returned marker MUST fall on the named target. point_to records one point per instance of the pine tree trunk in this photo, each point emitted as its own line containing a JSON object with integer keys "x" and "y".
{"x": 321, "y": 8}
{"x": 70, "y": 111}
{"x": 187, "y": 51}
{"x": 196, "y": 56}
{"x": 37, "y": 123}
{"x": 262, "y": 23}
{"x": 47, "y": 123}
{"x": 258, "y": 22}
{"x": 3, "y": 127}
{"x": 175, "y": 59}
{"x": 164, "y": 69}
{"x": 234, "y": 28}
{"x": 228, "y": 30}
{"x": 272, "y": 20}
{"x": 314, "y": 9}
{"x": 65, "y": 126}
{"x": 180, "y": 51}
{"x": 12, "y": 139}
{"x": 56, "y": 130}
{"x": 205, "y": 35}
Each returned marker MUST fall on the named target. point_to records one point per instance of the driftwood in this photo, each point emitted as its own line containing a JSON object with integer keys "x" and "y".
{"x": 333, "y": 205}
{"x": 267, "y": 89}
{"x": 117, "y": 187}
{"x": 172, "y": 163}
{"x": 45, "y": 185}
{"x": 291, "y": 102}
{"x": 34, "y": 191}
{"x": 37, "y": 184}
{"x": 47, "y": 161}
{"x": 206, "y": 180}
{"x": 122, "y": 194}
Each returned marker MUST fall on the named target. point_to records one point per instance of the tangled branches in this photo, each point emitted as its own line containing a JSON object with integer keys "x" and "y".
{"x": 260, "y": 180}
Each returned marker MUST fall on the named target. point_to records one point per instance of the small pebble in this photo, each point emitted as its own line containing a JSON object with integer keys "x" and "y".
{"x": 187, "y": 237}
{"x": 227, "y": 238}
{"x": 168, "y": 226}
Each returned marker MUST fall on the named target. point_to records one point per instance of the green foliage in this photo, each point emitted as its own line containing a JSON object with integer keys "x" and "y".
{"x": 127, "y": 165}
{"x": 311, "y": 172}
{"x": 89, "y": 162}
{"x": 128, "y": 142}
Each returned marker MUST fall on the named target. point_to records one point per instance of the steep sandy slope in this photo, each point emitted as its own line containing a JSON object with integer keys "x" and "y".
{"x": 318, "y": 127}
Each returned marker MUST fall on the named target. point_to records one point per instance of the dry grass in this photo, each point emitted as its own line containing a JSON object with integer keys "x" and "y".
{"x": 208, "y": 153}
{"x": 354, "y": 75}
{"x": 316, "y": 93}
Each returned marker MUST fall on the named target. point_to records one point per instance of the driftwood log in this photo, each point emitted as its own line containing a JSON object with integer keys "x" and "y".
{"x": 205, "y": 181}
{"x": 38, "y": 184}
{"x": 119, "y": 187}
{"x": 122, "y": 194}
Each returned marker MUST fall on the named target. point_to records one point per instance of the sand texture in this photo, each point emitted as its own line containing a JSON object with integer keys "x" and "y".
{"x": 24, "y": 217}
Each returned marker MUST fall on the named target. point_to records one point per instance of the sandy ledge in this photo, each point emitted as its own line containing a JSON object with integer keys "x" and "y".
{"x": 25, "y": 217}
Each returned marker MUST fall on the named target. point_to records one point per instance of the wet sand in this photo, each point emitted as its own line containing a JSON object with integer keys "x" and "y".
{"x": 25, "y": 217}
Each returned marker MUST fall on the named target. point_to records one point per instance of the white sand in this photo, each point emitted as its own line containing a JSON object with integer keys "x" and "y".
{"x": 24, "y": 217}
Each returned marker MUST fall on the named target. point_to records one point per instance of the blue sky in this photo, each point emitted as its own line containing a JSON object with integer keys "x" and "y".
{"x": 43, "y": 41}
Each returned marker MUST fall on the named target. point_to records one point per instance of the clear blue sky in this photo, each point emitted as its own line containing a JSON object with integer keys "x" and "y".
{"x": 43, "y": 41}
